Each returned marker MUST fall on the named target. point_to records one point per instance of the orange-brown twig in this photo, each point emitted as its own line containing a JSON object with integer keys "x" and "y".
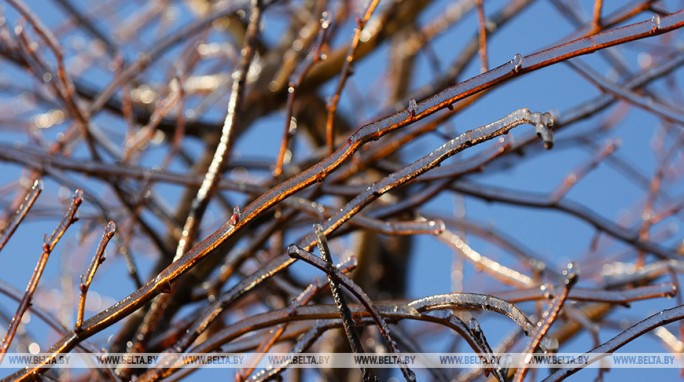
{"x": 48, "y": 246}
{"x": 98, "y": 259}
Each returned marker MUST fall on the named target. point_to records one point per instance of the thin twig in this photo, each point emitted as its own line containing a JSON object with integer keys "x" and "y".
{"x": 475, "y": 301}
{"x": 646, "y": 103}
{"x": 363, "y": 298}
{"x": 21, "y": 212}
{"x": 659, "y": 319}
{"x": 576, "y": 175}
{"x": 212, "y": 177}
{"x": 482, "y": 31}
{"x": 67, "y": 92}
{"x": 302, "y": 299}
{"x": 538, "y": 200}
{"x": 340, "y": 301}
{"x": 48, "y": 245}
{"x": 479, "y": 335}
{"x": 496, "y": 269}
{"x": 596, "y": 20}
{"x": 345, "y": 73}
{"x": 290, "y": 122}
{"x": 570, "y": 279}
{"x": 98, "y": 259}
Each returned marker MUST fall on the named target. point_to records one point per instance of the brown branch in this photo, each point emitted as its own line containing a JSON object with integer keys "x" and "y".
{"x": 320, "y": 170}
{"x": 345, "y": 73}
{"x": 98, "y": 259}
{"x": 48, "y": 245}
{"x": 596, "y": 20}
{"x": 212, "y": 177}
{"x": 20, "y": 213}
{"x": 569, "y": 280}
{"x": 482, "y": 31}
{"x": 290, "y": 123}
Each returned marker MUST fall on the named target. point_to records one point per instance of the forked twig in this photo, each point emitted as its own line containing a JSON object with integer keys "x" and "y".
{"x": 307, "y": 294}
{"x": 48, "y": 245}
{"x": 340, "y": 301}
{"x": 98, "y": 259}
{"x": 363, "y": 298}
{"x": 66, "y": 91}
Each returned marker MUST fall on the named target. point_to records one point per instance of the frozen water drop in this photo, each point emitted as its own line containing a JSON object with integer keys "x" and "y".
{"x": 325, "y": 20}
{"x": 437, "y": 226}
{"x": 546, "y": 134}
{"x": 655, "y": 23}
{"x": 473, "y": 325}
{"x": 413, "y": 107}
{"x": 517, "y": 62}
{"x": 570, "y": 274}
{"x": 110, "y": 228}
{"x": 235, "y": 218}
{"x": 78, "y": 194}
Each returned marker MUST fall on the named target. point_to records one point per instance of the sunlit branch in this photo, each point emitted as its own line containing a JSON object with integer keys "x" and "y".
{"x": 87, "y": 279}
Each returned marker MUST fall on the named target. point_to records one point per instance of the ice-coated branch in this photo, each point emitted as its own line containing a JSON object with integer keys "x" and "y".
{"x": 87, "y": 279}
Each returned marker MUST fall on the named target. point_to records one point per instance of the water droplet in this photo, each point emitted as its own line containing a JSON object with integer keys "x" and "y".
{"x": 517, "y": 62}
{"x": 437, "y": 226}
{"x": 110, "y": 228}
{"x": 570, "y": 274}
{"x": 78, "y": 196}
{"x": 450, "y": 106}
{"x": 655, "y": 23}
{"x": 546, "y": 134}
{"x": 236, "y": 216}
{"x": 550, "y": 343}
{"x": 413, "y": 107}
{"x": 325, "y": 20}
{"x": 473, "y": 325}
